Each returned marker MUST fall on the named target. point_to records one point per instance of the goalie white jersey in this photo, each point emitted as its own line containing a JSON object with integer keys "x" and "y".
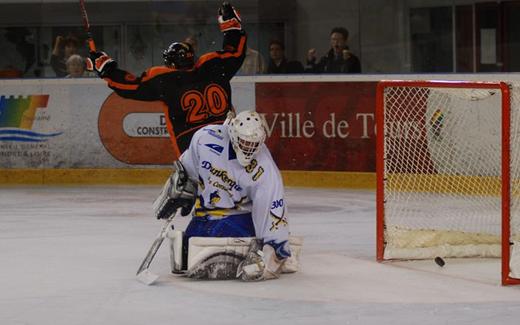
{"x": 226, "y": 188}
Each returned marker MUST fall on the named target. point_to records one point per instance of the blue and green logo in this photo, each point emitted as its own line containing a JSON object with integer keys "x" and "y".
{"x": 17, "y": 118}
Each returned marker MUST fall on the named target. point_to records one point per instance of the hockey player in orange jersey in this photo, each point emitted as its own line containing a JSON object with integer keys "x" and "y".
{"x": 195, "y": 93}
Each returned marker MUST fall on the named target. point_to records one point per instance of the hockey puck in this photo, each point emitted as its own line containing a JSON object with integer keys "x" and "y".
{"x": 440, "y": 262}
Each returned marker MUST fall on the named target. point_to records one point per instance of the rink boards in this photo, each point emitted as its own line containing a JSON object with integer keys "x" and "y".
{"x": 77, "y": 131}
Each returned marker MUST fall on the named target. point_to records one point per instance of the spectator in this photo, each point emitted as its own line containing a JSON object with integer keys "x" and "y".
{"x": 18, "y": 52}
{"x": 11, "y": 62}
{"x": 139, "y": 56}
{"x": 278, "y": 63}
{"x": 63, "y": 49}
{"x": 253, "y": 63}
{"x": 76, "y": 67}
{"x": 192, "y": 40}
{"x": 338, "y": 59}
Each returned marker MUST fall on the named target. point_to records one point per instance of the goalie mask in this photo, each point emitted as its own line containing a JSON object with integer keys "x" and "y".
{"x": 247, "y": 134}
{"x": 179, "y": 55}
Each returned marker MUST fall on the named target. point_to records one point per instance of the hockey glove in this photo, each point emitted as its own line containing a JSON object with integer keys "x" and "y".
{"x": 253, "y": 266}
{"x": 101, "y": 63}
{"x": 172, "y": 205}
{"x": 178, "y": 192}
{"x": 229, "y": 18}
{"x": 260, "y": 263}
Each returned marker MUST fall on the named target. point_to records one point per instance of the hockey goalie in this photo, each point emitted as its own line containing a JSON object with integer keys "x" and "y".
{"x": 229, "y": 183}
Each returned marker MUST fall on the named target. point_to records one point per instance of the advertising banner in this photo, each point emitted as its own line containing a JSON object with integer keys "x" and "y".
{"x": 321, "y": 126}
{"x": 135, "y": 132}
{"x": 81, "y": 123}
{"x": 64, "y": 123}
{"x": 51, "y": 124}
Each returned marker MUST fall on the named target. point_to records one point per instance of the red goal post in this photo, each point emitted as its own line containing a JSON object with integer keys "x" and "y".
{"x": 448, "y": 179}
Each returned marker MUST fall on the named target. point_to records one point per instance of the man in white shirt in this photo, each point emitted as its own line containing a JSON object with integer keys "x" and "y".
{"x": 253, "y": 64}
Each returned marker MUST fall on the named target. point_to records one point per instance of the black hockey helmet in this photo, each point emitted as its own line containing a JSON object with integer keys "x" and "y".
{"x": 179, "y": 55}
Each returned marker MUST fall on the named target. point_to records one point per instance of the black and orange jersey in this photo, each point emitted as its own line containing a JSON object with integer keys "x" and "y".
{"x": 193, "y": 98}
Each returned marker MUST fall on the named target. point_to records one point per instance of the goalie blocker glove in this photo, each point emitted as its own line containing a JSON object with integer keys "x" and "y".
{"x": 178, "y": 192}
{"x": 101, "y": 63}
{"x": 229, "y": 18}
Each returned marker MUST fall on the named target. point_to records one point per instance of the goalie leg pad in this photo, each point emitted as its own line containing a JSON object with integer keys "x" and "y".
{"x": 177, "y": 251}
{"x": 214, "y": 258}
{"x": 292, "y": 264}
{"x": 178, "y": 192}
{"x": 219, "y": 258}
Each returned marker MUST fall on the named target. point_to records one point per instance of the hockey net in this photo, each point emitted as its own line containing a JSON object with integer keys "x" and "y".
{"x": 448, "y": 171}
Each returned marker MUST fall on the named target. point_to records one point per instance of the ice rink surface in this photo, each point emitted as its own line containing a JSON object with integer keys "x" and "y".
{"x": 69, "y": 256}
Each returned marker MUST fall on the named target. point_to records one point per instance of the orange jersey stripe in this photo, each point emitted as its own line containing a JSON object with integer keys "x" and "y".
{"x": 121, "y": 86}
{"x": 232, "y": 23}
{"x": 173, "y": 138}
{"x": 155, "y": 71}
{"x": 212, "y": 55}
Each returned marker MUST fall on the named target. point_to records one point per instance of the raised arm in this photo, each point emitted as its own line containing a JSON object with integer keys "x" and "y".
{"x": 147, "y": 87}
{"x": 234, "y": 43}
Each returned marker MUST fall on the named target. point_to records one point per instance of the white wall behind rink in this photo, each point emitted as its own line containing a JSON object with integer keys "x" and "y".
{"x": 65, "y": 134}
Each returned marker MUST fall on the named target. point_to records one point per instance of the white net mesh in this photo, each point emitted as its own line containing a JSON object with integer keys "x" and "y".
{"x": 514, "y": 222}
{"x": 443, "y": 172}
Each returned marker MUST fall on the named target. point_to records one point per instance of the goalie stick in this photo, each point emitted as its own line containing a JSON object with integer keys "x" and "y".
{"x": 86, "y": 26}
{"x": 143, "y": 274}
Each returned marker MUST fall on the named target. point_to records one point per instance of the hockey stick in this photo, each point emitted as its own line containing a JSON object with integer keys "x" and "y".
{"x": 143, "y": 274}
{"x": 86, "y": 26}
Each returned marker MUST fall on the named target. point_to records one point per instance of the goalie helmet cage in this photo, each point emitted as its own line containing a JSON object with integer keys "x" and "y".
{"x": 448, "y": 174}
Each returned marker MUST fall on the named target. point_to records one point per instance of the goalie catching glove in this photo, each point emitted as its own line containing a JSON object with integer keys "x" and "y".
{"x": 101, "y": 63}
{"x": 178, "y": 192}
{"x": 229, "y": 18}
{"x": 260, "y": 263}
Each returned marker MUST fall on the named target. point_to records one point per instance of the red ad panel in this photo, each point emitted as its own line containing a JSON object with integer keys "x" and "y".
{"x": 322, "y": 126}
